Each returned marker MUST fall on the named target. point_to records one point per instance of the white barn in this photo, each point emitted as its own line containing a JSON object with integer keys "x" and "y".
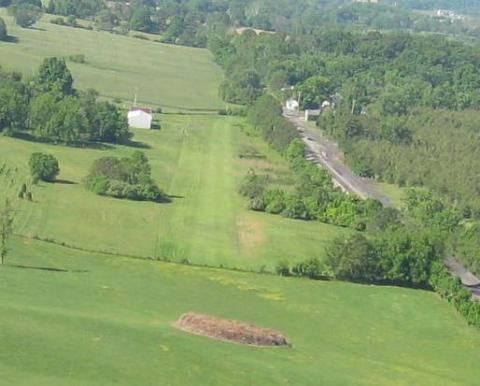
{"x": 140, "y": 118}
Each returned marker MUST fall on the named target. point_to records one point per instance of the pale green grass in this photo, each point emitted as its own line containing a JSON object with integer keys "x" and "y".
{"x": 119, "y": 66}
{"x": 108, "y": 322}
{"x": 395, "y": 193}
{"x": 196, "y": 160}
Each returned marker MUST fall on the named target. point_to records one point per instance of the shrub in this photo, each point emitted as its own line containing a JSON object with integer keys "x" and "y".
{"x": 58, "y": 21}
{"x": 253, "y": 186}
{"x": 311, "y": 268}
{"x": 283, "y": 268}
{"x": 127, "y": 178}
{"x": 43, "y": 167}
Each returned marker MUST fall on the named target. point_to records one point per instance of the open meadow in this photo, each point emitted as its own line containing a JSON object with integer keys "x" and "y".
{"x": 168, "y": 76}
{"x": 199, "y": 160}
{"x": 101, "y": 320}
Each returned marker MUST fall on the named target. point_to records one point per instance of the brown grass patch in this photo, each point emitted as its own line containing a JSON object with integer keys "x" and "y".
{"x": 230, "y": 330}
{"x": 251, "y": 235}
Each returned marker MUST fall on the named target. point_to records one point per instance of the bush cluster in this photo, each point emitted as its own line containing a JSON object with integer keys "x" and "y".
{"x": 315, "y": 196}
{"x": 125, "y": 178}
{"x": 43, "y": 167}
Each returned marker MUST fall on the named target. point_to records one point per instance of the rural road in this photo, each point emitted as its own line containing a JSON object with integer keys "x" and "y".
{"x": 468, "y": 279}
{"x": 327, "y": 155}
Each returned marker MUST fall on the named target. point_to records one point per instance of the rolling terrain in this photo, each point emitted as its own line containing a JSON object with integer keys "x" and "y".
{"x": 199, "y": 161}
{"x": 167, "y": 76}
{"x": 100, "y": 320}
{"x": 83, "y": 301}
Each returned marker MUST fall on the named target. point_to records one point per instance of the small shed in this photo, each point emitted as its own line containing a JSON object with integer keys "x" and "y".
{"x": 140, "y": 118}
{"x": 292, "y": 105}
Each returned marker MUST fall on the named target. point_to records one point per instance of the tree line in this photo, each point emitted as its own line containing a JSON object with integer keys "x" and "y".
{"x": 47, "y": 107}
{"x": 405, "y": 111}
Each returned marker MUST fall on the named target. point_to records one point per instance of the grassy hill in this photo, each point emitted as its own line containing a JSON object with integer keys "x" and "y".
{"x": 200, "y": 161}
{"x": 174, "y": 77}
{"x": 100, "y": 320}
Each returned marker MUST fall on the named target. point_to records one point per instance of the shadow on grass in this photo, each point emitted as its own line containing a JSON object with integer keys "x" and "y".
{"x": 10, "y": 39}
{"x": 136, "y": 144}
{"x": 66, "y": 182}
{"x": 79, "y": 144}
{"x": 49, "y": 269}
{"x": 37, "y": 29}
{"x": 173, "y": 196}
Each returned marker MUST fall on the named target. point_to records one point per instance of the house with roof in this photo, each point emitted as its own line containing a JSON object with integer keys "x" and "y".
{"x": 140, "y": 118}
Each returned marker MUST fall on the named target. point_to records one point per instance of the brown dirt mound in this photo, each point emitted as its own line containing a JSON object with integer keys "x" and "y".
{"x": 230, "y": 330}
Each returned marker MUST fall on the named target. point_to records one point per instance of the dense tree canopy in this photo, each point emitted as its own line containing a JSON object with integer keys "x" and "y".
{"x": 3, "y": 30}
{"x": 51, "y": 109}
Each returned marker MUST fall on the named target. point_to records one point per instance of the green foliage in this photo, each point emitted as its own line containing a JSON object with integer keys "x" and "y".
{"x": 253, "y": 186}
{"x": 43, "y": 167}
{"x": 141, "y": 19}
{"x": 14, "y": 100}
{"x": 26, "y": 13}
{"x": 354, "y": 259}
{"x": 243, "y": 87}
{"x": 468, "y": 246}
{"x": 3, "y": 30}
{"x": 452, "y": 290}
{"x": 54, "y": 75}
{"x": 106, "y": 20}
{"x": 311, "y": 268}
{"x": 6, "y": 229}
{"x": 283, "y": 268}
{"x": 79, "y": 8}
{"x": 126, "y": 178}
{"x": 54, "y": 111}
{"x": 401, "y": 256}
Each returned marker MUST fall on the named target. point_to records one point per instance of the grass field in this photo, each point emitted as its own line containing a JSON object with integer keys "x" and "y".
{"x": 173, "y": 77}
{"x": 107, "y": 321}
{"x": 195, "y": 159}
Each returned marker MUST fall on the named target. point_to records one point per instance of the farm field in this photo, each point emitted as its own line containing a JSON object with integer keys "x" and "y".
{"x": 172, "y": 77}
{"x": 103, "y": 320}
{"x": 200, "y": 161}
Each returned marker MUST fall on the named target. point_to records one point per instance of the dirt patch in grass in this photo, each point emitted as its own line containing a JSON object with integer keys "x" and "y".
{"x": 230, "y": 330}
{"x": 250, "y": 234}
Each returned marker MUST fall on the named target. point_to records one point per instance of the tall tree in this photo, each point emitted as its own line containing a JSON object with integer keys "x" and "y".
{"x": 54, "y": 75}
{"x": 6, "y": 229}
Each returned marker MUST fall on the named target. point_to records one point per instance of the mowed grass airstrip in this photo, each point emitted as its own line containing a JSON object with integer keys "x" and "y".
{"x": 104, "y": 320}
{"x": 172, "y": 77}
{"x": 200, "y": 162}
{"x": 71, "y": 317}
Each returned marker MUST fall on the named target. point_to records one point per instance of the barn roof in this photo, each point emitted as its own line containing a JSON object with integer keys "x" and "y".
{"x": 144, "y": 109}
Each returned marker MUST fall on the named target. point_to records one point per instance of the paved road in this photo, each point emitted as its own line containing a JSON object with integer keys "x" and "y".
{"x": 326, "y": 154}
{"x": 468, "y": 279}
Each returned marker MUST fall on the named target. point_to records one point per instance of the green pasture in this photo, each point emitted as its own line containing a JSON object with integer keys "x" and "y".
{"x": 173, "y": 77}
{"x": 75, "y": 318}
{"x": 200, "y": 161}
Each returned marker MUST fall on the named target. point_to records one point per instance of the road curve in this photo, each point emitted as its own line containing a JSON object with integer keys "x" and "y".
{"x": 327, "y": 155}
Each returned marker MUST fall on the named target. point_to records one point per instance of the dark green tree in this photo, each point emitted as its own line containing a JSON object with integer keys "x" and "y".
{"x": 54, "y": 75}
{"x": 43, "y": 167}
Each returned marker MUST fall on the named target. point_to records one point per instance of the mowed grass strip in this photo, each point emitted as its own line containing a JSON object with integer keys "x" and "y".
{"x": 196, "y": 160}
{"x": 107, "y": 321}
{"x": 175, "y": 77}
